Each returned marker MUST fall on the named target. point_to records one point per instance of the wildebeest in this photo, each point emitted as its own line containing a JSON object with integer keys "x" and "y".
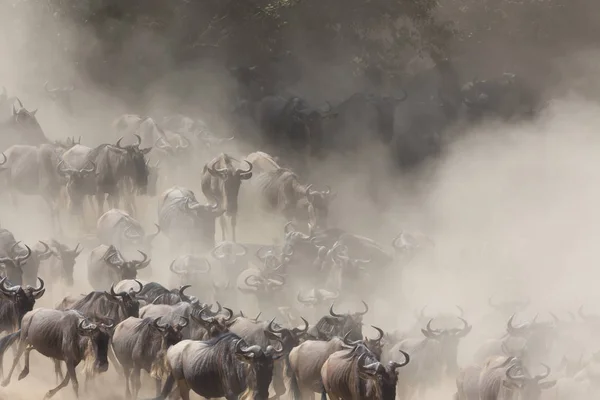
{"x": 116, "y": 167}
{"x": 221, "y": 184}
{"x": 12, "y": 263}
{"x": 117, "y": 306}
{"x": 281, "y": 191}
{"x": 30, "y": 270}
{"x": 221, "y": 367}
{"x": 187, "y": 222}
{"x": 118, "y": 228}
{"x": 79, "y": 171}
{"x": 192, "y": 270}
{"x": 63, "y": 336}
{"x": 33, "y": 171}
{"x": 15, "y": 301}
{"x": 142, "y": 344}
{"x": 106, "y": 266}
{"x": 23, "y": 128}
{"x": 340, "y": 325}
{"x": 60, "y": 266}
{"x": 357, "y": 374}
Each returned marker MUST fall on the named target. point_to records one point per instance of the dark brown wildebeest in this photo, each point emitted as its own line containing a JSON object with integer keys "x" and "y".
{"x": 63, "y": 336}
{"x": 142, "y": 344}
{"x": 221, "y": 367}
{"x": 60, "y": 266}
{"x": 357, "y": 374}
{"x": 339, "y": 325}
{"x": 11, "y": 264}
{"x": 221, "y": 184}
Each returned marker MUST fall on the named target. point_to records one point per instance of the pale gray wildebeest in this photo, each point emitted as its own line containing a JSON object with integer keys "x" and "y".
{"x": 60, "y": 266}
{"x": 262, "y": 162}
{"x": 306, "y": 361}
{"x": 33, "y": 171}
{"x": 22, "y": 128}
{"x": 232, "y": 259}
{"x": 357, "y": 374}
{"x": 61, "y": 95}
{"x": 62, "y": 336}
{"x": 40, "y": 253}
{"x": 224, "y": 366}
{"x": 433, "y": 356}
{"x": 141, "y": 344}
{"x": 540, "y": 338}
{"x": 264, "y": 334}
{"x": 192, "y": 270}
{"x": 506, "y": 378}
{"x": 346, "y": 275}
{"x": 316, "y": 300}
{"x": 12, "y": 263}
{"x": 282, "y": 192}
{"x": 186, "y": 222}
{"x": 221, "y": 184}
{"x": 266, "y": 285}
{"x": 116, "y": 167}
{"x": 106, "y": 266}
{"x": 79, "y": 171}
{"x": 200, "y": 327}
{"x": 117, "y": 228}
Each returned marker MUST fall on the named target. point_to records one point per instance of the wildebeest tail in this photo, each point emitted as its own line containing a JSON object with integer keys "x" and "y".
{"x": 167, "y": 388}
{"x": 8, "y": 340}
{"x": 323, "y": 393}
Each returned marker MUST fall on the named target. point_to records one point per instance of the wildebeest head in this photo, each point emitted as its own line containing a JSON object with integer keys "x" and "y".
{"x": 79, "y": 182}
{"x": 407, "y": 245}
{"x": 181, "y": 147}
{"x": 26, "y": 121}
{"x": 538, "y": 335}
{"x": 128, "y": 300}
{"x": 518, "y": 379}
{"x": 171, "y": 334}
{"x": 23, "y": 298}
{"x": 67, "y": 259}
{"x": 383, "y": 378}
{"x": 192, "y": 269}
{"x": 98, "y": 336}
{"x": 289, "y": 338}
{"x": 341, "y": 324}
{"x": 261, "y": 364}
{"x": 228, "y": 253}
{"x": 231, "y": 178}
{"x": 449, "y": 339}
{"x": 205, "y": 216}
{"x": 264, "y": 284}
{"x": 135, "y": 235}
{"x": 215, "y": 324}
{"x": 134, "y": 163}
{"x": 12, "y": 266}
{"x": 125, "y": 269}
{"x": 318, "y": 207}
{"x": 317, "y": 297}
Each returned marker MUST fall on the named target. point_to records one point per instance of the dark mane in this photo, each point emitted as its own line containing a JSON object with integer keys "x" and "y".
{"x": 224, "y": 336}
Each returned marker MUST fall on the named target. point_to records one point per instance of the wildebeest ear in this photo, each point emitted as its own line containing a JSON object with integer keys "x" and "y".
{"x": 146, "y": 150}
{"x": 246, "y": 176}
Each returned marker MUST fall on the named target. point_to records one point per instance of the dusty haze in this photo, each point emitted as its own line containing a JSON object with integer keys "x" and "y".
{"x": 513, "y": 208}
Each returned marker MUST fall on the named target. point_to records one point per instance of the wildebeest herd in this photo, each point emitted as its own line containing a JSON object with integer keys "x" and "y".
{"x": 189, "y": 332}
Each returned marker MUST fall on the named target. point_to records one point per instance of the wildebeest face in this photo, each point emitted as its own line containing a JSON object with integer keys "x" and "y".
{"x": 23, "y": 297}
{"x": 528, "y": 387}
{"x": 261, "y": 362}
{"x": 135, "y": 164}
{"x": 99, "y": 336}
{"x": 449, "y": 339}
{"x": 171, "y": 334}
{"x": 125, "y": 269}
{"x": 25, "y": 119}
{"x": 12, "y": 267}
{"x": 68, "y": 258}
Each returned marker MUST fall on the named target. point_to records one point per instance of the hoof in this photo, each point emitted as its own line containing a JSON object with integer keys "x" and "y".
{"x": 5, "y": 383}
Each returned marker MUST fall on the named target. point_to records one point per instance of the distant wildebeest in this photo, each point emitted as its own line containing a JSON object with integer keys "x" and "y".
{"x": 433, "y": 355}
{"x": 192, "y": 270}
{"x": 118, "y": 228}
{"x": 357, "y": 374}
{"x": 221, "y": 184}
{"x": 106, "y": 266}
{"x": 63, "y": 336}
{"x": 142, "y": 344}
{"x": 61, "y": 95}
{"x": 221, "y": 367}
{"x": 282, "y": 192}
{"x": 33, "y": 171}
{"x": 79, "y": 171}
{"x": 117, "y": 167}
{"x": 185, "y": 221}
{"x": 60, "y": 265}
{"x": 40, "y": 253}
{"x": 13, "y": 262}
{"x": 22, "y": 128}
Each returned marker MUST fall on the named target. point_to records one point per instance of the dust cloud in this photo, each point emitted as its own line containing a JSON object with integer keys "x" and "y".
{"x": 512, "y": 207}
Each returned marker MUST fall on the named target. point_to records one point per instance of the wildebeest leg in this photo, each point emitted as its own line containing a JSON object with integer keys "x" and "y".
{"x": 233, "y": 225}
{"x": 69, "y": 377}
{"x": 58, "y": 371}
{"x": 222, "y": 222}
{"x": 278, "y": 383}
{"x": 113, "y": 200}
{"x": 100, "y": 202}
{"x": 136, "y": 382}
{"x": 20, "y": 350}
{"x": 157, "y": 381}
{"x": 184, "y": 389}
{"x": 64, "y": 383}
{"x": 127, "y": 373}
{"x": 25, "y": 370}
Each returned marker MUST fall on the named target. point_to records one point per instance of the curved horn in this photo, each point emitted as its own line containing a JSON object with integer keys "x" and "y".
{"x": 214, "y": 252}
{"x": 144, "y": 263}
{"x": 366, "y": 308}
{"x": 185, "y": 322}
{"x": 4, "y": 159}
{"x": 40, "y": 287}
{"x": 286, "y": 229}
{"x": 157, "y": 325}
{"x": 510, "y": 375}
{"x": 88, "y": 327}
{"x": 302, "y": 331}
{"x": 380, "y": 331}
{"x": 118, "y": 144}
{"x": 332, "y": 313}
{"x": 173, "y": 270}
{"x": 18, "y": 259}
{"x": 257, "y": 278}
{"x": 461, "y": 312}
{"x": 182, "y": 289}
{"x": 271, "y": 328}
{"x": 140, "y": 285}
{"x": 348, "y": 342}
{"x": 230, "y": 312}
{"x": 139, "y": 140}
{"x": 46, "y": 248}
{"x": 89, "y": 170}
{"x": 544, "y": 375}
{"x": 395, "y": 365}
{"x": 242, "y": 172}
